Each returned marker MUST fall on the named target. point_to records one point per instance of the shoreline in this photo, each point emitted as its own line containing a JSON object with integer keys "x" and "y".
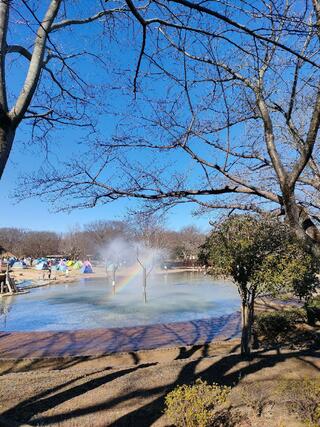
{"x": 108, "y": 341}
{"x": 33, "y": 275}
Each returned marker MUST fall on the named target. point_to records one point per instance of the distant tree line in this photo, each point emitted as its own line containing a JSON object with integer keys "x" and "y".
{"x": 91, "y": 238}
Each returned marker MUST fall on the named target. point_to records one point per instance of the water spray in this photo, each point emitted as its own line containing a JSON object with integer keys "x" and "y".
{"x": 114, "y": 269}
{"x": 145, "y": 274}
{"x": 115, "y": 266}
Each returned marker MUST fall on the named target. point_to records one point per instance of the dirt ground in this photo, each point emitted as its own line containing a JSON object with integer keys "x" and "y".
{"x": 128, "y": 389}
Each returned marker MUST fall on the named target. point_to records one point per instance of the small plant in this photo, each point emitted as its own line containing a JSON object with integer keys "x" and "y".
{"x": 195, "y": 405}
{"x": 312, "y": 308}
{"x": 296, "y": 315}
{"x": 254, "y": 396}
{"x": 273, "y": 327}
{"x": 302, "y": 398}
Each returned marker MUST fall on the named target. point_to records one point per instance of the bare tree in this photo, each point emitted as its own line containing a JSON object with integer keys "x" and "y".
{"x": 40, "y": 244}
{"x": 188, "y": 242}
{"x": 146, "y": 270}
{"x": 77, "y": 244}
{"x": 102, "y": 232}
{"x": 11, "y": 240}
{"x": 54, "y": 91}
{"x": 22, "y": 243}
{"x": 234, "y": 123}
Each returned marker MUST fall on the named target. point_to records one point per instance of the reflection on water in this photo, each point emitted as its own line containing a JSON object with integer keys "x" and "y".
{"x": 5, "y": 307}
{"x": 90, "y": 303}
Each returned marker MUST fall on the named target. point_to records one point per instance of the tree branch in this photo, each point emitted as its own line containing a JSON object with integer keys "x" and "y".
{"x": 31, "y": 81}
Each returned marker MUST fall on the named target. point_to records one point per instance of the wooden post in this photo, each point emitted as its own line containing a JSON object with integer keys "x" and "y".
{"x": 8, "y": 279}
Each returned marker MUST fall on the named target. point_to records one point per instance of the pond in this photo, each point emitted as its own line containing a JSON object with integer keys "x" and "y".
{"x": 90, "y": 303}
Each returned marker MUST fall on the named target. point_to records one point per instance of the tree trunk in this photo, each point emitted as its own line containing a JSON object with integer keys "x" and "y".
{"x": 245, "y": 334}
{"x": 301, "y": 223}
{"x": 247, "y": 315}
{"x": 6, "y": 140}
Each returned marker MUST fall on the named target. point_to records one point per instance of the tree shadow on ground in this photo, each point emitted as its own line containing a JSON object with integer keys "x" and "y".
{"x": 52, "y": 397}
{"x": 227, "y": 370}
{"x": 114, "y": 340}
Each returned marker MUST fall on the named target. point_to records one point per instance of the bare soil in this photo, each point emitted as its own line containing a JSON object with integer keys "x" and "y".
{"x": 128, "y": 389}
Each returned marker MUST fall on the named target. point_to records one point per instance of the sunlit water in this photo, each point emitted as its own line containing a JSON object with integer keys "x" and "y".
{"x": 90, "y": 304}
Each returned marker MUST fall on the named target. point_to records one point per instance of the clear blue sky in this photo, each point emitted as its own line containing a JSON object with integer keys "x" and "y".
{"x": 37, "y": 215}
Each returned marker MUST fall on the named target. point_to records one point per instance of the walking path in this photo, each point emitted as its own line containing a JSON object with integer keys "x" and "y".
{"x": 95, "y": 342}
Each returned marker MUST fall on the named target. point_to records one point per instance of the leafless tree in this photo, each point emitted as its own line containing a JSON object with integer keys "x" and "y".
{"x": 233, "y": 123}
{"x": 77, "y": 244}
{"x": 24, "y": 243}
{"x": 39, "y": 243}
{"x": 102, "y": 232}
{"x": 146, "y": 271}
{"x": 36, "y": 40}
{"x": 187, "y": 243}
{"x": 11, "y": 240}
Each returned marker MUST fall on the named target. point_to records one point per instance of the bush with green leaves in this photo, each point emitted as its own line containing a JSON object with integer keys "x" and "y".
{"x": 261, "y": 256}
{"x": 302, "y": 397}
{"x": 195, "y": 405}
{"x": 312, "y": 308}
{"x": 273, "y": 327}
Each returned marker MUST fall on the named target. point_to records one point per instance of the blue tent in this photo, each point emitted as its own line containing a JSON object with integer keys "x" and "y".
{"x": 41, "y": 266}
{"x": 19, "y": 264}
{"x": 87, "y": 268}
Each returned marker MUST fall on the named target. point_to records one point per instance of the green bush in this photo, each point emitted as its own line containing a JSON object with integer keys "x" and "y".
{"x": 296, "y": 315}
{"x": 302, "y": 397}
{"x": 273, "y": 327}
{"x": 195, "y": 405}
{"x": 312, "y": 308}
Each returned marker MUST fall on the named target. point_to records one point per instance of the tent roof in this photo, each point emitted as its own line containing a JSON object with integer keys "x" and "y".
{"x": 7, "y": 254}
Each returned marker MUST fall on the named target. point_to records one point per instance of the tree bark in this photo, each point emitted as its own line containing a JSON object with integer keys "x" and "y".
{"x": 7, "y": 134}
{"x": 301, "y": 223}
{"x": 247, "y": 315}
{"x": 245, "y": 334}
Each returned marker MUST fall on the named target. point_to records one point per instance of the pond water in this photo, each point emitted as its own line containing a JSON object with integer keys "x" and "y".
{"x": 90, "y": 303}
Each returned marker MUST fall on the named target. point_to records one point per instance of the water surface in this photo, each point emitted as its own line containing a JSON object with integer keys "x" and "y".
{"x": 90, "y": 303}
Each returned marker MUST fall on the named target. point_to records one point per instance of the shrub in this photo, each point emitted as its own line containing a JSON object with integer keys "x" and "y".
{"x": 312, "y": 308}
{"x": 273, "y": 327}
{"x": 302, "y": 397}
{"x": 296, "y": 315}
{"x": 255, "y": 396}
{"x": 195, "y": 405}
